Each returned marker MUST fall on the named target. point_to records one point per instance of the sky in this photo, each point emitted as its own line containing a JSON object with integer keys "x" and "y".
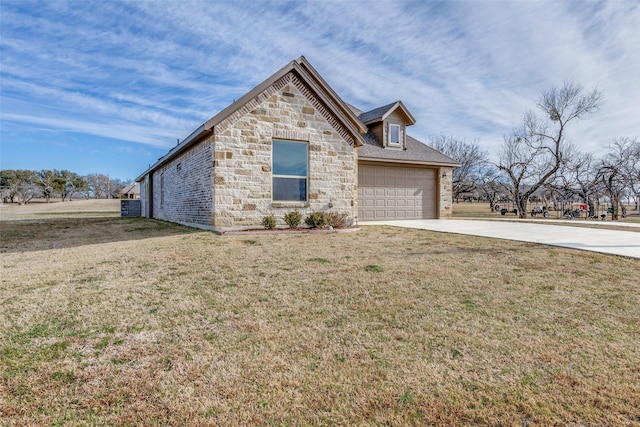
{"x": 110, "y": 86}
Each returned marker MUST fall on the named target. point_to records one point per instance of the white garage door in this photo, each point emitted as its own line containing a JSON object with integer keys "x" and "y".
{"x": 393, "y": 192}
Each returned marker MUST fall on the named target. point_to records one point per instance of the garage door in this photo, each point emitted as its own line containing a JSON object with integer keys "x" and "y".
{"x": 393, "y": 192}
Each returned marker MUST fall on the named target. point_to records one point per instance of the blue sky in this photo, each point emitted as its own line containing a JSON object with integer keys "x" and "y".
{"x": 109, "y": 86}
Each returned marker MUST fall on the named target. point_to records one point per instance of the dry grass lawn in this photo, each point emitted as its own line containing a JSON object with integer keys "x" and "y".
{"x": 109, "y": 321}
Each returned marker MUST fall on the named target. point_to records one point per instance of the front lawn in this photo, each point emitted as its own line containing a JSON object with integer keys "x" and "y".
{"x": 131, "y": 321}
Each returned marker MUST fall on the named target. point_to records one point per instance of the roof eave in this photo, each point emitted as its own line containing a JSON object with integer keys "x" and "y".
{"x": 376, "y": 120}
{"x": 408, "y": 162}
{"x": 218, "y": 118}
{"x": 409, "y": 119}
{"x": 194, "y": 137}
{"x": 330, "y": 98}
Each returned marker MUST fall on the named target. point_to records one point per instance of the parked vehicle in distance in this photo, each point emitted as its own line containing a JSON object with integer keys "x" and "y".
{"x": 540, "y": 210}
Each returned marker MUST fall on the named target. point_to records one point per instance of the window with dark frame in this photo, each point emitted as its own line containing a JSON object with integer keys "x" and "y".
{"x": 290, "y": 171}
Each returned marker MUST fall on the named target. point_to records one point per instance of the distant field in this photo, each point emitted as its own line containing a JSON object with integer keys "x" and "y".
{"x": 55, "y": 208}
{"x": 474, "y": 210}
{"x": 109, "y": 321}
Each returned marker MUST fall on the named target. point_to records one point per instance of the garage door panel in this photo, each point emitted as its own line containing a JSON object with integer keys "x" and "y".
{"x": 392, "y": 192}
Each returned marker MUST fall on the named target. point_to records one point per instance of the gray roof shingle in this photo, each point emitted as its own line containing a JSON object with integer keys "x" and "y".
{"x": 376, "y": 113}
{"x": 416, "y": 152}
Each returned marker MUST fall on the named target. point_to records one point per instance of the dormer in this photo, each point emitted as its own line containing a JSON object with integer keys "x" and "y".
{"x": 388, "y": 125}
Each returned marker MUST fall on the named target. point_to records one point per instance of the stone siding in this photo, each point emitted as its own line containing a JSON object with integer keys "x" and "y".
{"x": 130, "y": 208}
{"x": 445, "y": 192}
{"x": 242, "y": 160}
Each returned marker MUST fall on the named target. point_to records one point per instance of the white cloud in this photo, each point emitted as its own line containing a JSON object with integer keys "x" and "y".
{"x": 150, "y": 72}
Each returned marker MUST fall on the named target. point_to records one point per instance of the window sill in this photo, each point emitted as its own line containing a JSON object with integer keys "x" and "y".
{"x": 289, "y": 204}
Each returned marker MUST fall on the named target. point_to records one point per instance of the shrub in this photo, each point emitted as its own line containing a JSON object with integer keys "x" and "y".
{"x": 293, "y": 219}
{"x": 337, "y": 219}
{"x": 269, "y": 222}
{"x": 316, "y": 219}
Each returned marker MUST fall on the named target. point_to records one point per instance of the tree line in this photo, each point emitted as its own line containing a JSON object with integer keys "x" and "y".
{"x": 537, "y": 163}
{"x": 22, "y": 186}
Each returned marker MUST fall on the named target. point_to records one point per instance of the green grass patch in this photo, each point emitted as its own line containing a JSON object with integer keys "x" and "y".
{"x": 319, "y": 260}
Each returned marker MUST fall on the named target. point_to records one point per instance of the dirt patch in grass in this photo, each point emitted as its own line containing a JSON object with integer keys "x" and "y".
{"x": 144, "y": 322}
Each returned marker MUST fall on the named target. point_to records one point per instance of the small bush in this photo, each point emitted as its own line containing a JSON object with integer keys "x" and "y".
{"x": 337, "y": 219}
{"x": 293, "y": 219}
{"x": 316, "y": 219}
{"x": 269, "y": 222}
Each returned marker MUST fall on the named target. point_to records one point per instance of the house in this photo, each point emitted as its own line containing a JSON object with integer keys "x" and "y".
{"x": 131, "y": 191}
{"x": 289, "y": 144}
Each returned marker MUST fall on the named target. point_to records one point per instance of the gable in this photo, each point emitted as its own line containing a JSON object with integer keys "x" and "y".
{"x": 283, "y": 86}
{"x": 299, "y": 73}
{"x": 380, "y": 114}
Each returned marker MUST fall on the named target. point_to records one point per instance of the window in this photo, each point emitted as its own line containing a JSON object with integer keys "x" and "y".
{"x": 162, "y": 189}
{"x": 290, "y": 171}
{"x": 394, "y": 134}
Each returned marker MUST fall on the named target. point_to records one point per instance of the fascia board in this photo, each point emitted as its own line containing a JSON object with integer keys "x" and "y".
{"x": 407, "y": 162}
{"x": 399, "y": 104}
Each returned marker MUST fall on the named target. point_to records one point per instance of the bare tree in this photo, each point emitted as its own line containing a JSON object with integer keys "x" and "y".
{"x": 98, "y": 185}
{"x": 578, "y": 176}
{"x": 631, "y": 167}
{"x": 532, "y": 154}
{"x": 115, "y": 186}
{"x": 471, "y": 158}
{"x": 491, "y": 185}
{"x": 25, "y": 186}
{"x": 619, "y": 172}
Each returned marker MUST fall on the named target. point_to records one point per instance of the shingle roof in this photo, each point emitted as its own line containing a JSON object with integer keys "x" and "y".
{"x": 376, "y": 113}
{"x": 416, "y": 152}
{"x": 131, "y": 188}
{"x": 381, "y": 113}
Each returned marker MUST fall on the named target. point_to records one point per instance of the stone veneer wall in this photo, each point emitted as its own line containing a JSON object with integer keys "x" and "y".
{"x": 144, "y": 209}
{"x": 242, "y": 159}
{"x": 130, "y": 208}
{"x": 188, "y": 187}
{"x": 446, "y": 192}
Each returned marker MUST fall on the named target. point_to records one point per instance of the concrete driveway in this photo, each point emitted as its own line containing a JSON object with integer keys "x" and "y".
{"x": 625, "y": 243}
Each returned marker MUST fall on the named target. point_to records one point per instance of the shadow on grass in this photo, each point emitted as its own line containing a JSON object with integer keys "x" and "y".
{"x": 60, "y": 233}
